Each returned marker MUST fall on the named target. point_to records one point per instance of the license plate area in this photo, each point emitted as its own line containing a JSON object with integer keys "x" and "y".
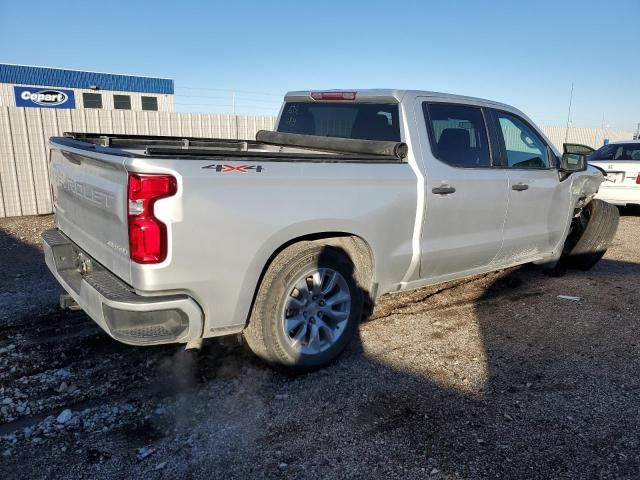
{"x": 615, "y": 177}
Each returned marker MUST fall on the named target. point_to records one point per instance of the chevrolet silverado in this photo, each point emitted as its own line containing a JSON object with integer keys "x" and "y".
{"x": 289, "y": 238}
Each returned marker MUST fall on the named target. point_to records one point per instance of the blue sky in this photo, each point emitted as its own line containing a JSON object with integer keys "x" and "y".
{"x": 523, "y": 53}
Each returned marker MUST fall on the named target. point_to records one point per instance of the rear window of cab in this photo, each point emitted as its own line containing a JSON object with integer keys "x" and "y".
{"x": 363, "y": 121}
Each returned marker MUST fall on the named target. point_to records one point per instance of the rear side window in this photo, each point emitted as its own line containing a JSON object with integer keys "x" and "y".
{"x": 458, "y": 134}
{"x": 364, "y": 121}
{"x": 617, "y": 152}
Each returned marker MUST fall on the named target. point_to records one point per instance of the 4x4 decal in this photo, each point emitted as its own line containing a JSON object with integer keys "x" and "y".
{"x": 224, "y": 168}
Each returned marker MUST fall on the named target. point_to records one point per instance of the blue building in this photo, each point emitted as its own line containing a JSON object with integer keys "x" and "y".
{"x": 44, "y": 87}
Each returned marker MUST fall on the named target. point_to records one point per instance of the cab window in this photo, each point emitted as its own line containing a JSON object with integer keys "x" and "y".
{"x": 458, "y": 134}
{"x": 364, "y": 121}
{"x": 524, "y": 147}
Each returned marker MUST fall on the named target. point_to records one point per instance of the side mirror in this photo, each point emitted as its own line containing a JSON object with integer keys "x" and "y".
{"x": 577, "y": 148}
{"x": 573, "y": 162}
{"x": 574, "y": 159}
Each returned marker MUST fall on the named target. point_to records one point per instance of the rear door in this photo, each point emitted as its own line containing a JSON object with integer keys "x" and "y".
{"x": 538, "y": 202}
{"x": 90, "y": 201}
{"x": 466, "y": 199}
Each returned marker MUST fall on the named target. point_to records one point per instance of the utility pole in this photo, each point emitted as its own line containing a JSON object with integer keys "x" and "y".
{"x": 638, "y": 132}
{"x": 233, "y": 107}
{"x": 566, "y": 133}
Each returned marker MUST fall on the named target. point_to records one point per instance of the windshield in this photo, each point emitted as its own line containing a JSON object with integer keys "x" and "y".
{"x": 617, "y": 151}
{"x": 364, "y": 121}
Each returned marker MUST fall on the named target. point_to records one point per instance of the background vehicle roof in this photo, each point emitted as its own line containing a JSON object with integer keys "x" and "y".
{"x": 623, "y": 141}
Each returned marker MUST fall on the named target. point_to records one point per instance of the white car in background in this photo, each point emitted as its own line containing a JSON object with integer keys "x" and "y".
{"x": 621, "y": 161}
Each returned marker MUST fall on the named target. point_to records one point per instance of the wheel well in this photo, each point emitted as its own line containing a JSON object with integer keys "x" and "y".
{"x": 356, "y": 247}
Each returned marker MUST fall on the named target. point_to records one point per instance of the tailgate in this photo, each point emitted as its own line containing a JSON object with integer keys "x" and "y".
{"x": 90, "y": 191}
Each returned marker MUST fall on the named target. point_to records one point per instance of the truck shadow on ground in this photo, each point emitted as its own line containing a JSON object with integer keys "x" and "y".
{"x": 25, "y": 283}
{"x": 492, "y": 377}
{"x": 509, "y": 381}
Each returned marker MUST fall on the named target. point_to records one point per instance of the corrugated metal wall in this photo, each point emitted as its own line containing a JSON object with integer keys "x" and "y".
{"x": 65, "y": 78}
{"x": 24, "y": 174}
{"x": 593, "y": 137}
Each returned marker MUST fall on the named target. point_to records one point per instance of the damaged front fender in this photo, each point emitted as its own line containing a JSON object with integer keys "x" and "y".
{"x": 584, "y": 186}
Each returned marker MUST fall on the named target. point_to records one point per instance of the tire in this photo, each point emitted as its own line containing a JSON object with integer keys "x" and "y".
{"x": 285, "y": 316}
{"x": 594, "y": 231}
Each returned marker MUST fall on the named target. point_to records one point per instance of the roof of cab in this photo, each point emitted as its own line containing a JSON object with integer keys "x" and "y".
{"x": 391, "y": 95}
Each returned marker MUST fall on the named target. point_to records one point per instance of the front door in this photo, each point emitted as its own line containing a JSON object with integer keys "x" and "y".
{"x": 465, "y": 197}
{"x": 538, "y": 206}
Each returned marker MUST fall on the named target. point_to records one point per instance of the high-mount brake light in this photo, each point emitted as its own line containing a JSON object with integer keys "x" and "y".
{"x": 333, "y": 95}
{"x": 147, "y": 234}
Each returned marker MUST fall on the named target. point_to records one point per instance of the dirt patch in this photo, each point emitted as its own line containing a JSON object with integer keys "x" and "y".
{"x": 492, "y": 377}
{"x": 25, "y": 284}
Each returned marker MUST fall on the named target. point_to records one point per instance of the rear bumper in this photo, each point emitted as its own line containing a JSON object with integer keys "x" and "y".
{"x": 125, "y": 315}
{"x": 619, "y": 195}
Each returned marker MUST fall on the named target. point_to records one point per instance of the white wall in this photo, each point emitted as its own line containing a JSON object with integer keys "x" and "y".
{"x": 593, "y": 137}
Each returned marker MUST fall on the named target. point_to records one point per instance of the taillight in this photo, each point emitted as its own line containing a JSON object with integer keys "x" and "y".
{"x": 638, "y": 179}
{"x": 333, "y": 95}
{"x": 147, "y": 234}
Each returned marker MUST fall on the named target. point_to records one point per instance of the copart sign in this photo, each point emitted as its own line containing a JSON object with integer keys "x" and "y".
{"x": 43, "y": 97}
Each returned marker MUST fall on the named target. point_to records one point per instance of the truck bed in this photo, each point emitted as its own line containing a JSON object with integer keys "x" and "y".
{"x": 267, "y": 145}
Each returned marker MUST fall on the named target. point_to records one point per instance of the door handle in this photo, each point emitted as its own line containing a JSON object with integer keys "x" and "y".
{"x": 443, "y": 190}
{"x": 520, "y": 187}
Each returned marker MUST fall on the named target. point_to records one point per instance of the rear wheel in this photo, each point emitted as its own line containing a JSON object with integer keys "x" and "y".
{"x": 591, "y": 235}
{"x": 307, "y": 308}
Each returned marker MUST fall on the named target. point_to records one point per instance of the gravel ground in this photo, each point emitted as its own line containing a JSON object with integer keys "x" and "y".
{"x": 494, "y": 377}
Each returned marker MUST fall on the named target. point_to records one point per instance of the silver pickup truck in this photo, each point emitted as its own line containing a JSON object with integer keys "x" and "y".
{"x": 290, "y": 237}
